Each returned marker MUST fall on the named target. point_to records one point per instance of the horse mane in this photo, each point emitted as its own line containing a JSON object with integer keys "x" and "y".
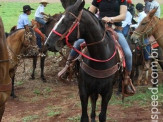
{"x": 102, "y": 24}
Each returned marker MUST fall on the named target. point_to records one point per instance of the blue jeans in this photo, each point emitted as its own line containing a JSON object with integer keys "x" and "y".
{"x": 126, "y": 50}
{"x": 125, "y": 30}
{"x": 40, "y": 20}
{"x": 147, "y": 50}
{"x": 76, "y": 45}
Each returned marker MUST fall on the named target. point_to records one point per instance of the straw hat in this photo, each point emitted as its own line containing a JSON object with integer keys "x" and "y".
{"x": 44, "y": 1}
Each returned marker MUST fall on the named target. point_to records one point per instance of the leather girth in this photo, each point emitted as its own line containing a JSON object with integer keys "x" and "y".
{"x": 99, "y": 73}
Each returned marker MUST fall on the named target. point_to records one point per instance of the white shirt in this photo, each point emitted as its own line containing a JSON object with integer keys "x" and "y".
{"x": 39, "y": 10}
{"x": 127, "y": 20}
{"x": 155, "y": 4}
{"x": 141, "y": 16}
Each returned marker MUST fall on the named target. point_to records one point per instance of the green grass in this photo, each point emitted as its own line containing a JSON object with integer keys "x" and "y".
{"x": 10, "y": 11}
{"x": 30, "y": 118}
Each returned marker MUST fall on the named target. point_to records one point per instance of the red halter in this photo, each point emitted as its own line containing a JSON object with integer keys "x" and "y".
{"x": 70, "y": 30}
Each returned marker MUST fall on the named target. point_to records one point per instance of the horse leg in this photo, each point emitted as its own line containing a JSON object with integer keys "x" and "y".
{"x": 160, "y": 57}
{"x": 42, "y": 62}
{"x": 93, "y": 101}
{"x": 104, "y": 104}
{"x": 140, "y": 75}
{"x": 2, "y": 109}
{"x": 84, "y": 100}
{"x": 34, "y": 67}
{"x": 146, "y": 77}
{"x": 13, "y": 91}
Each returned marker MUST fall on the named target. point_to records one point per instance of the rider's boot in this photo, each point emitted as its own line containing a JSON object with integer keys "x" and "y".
{"x": 129, "y": 89}
{"x": 63, "y": 73}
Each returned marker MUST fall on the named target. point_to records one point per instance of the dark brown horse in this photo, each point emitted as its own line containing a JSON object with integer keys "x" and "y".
{"x": 95, "y": 78}
{"x": 46, "y": 30}
{"x": 5, "y": 81}
{"x": 21, "y": 44}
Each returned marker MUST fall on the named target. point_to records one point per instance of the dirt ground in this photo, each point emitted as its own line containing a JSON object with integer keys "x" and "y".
{"x": 57, "y": 101}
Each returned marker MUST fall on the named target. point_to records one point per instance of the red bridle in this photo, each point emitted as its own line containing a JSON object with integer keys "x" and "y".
{"x": 70, "y": 30}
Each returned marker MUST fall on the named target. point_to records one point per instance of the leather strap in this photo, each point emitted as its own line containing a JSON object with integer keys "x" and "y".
{"x": 5, "y": 87}
{"x": 99, "y": 73}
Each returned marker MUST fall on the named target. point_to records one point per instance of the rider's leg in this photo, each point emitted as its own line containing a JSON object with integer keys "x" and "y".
{"x": 73, "y": 54}
{"x": 125, "y": 30}
{"x": 147, "y": 51}
{"x": 40, "y": 20}
{"x": 128, "y": 58}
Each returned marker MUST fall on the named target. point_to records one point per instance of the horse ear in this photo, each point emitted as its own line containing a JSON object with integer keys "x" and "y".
{"x": 81, "y": 5}
{"x": 66, "y": 3}
{"x": 152, "y": 12}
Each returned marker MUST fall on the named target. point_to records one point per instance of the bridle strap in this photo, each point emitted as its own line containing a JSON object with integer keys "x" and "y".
{"x": 146, "y": 32}
{"x": 2, "y": 61}
{"x": 71, "y": 29}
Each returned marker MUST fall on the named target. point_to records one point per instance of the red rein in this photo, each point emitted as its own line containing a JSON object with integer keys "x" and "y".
{"x": 68, "y": 44}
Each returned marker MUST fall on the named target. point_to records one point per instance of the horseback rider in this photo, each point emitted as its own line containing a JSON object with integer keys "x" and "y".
{"x": 141, "y": 16}
{"x": 111, "y": 11}
{"x": 23, "y": 21}
{"x": 39, "y": 14}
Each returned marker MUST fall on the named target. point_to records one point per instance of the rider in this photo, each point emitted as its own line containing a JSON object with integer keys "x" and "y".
{"x": 141, "y": 16}
{"x": 23, "y": 21}
{"x": 147, "y": 6}
{"x": 128, "y": 20}
{"x": 112, "y": 11}
{"x": 39, "y": 14}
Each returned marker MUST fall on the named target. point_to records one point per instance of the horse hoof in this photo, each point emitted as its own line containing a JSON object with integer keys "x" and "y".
{"x": 43, "y": 79}
{"x": 32, "y": 77}
{"x": 13, "y": 96}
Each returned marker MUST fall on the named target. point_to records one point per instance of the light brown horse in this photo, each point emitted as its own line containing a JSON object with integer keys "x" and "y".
{"x": 5, "y": 81}
{"x": 150, "y": 25}
{"x": 21, "y": 44}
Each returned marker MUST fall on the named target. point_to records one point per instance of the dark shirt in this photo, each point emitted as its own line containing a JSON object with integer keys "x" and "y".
{"x": 109, "y": 8}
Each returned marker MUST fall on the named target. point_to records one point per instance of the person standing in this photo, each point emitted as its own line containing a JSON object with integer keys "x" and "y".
{"x": 23, "y": 21}
{"x": 39, "y": 14}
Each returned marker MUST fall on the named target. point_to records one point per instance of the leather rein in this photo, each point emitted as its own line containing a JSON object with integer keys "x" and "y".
{"x": 92, "y": 72}
{"x": 66, "y": 35}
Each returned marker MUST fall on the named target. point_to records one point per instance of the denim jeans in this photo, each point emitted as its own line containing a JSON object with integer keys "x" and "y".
{"x": 146, "y": 50}
{"x": 125, "y": 30}
{"x": 40, "y": 20}
{"x": 76, "y": 45}
{"x": 126, "y": 50}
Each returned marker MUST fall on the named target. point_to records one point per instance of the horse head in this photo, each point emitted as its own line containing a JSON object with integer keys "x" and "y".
{"x": 146, "y": 27}
{"x": 29, "y": 43}
{"x": 66, "y": 28}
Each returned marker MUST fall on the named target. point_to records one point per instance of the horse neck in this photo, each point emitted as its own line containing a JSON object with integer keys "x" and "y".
{"x": 15, "y": 43}
{"x": 95, "y": 33}
{"x": 158, "y": 32}
{"x": 4, "y": 73}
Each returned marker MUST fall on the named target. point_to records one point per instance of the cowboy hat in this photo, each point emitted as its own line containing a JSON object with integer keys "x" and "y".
{"x": 27, "y": 8}
{"x": 44, "y": 1}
